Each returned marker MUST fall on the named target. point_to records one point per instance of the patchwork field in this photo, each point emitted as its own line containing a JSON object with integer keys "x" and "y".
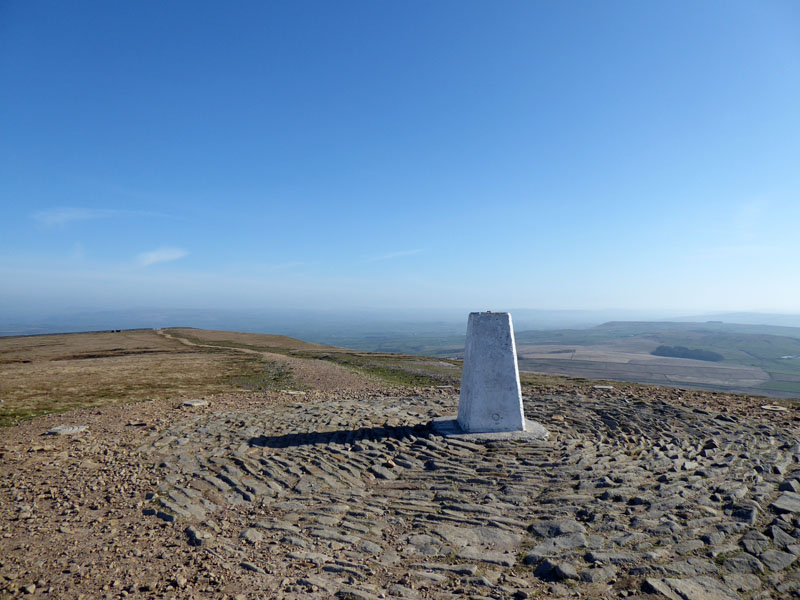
{"x": 598, "y": 362}
{"x": 753, "y": 359}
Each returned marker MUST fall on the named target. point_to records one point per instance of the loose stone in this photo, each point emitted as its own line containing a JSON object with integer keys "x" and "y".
{"x": 252, "y": 535}
{"x": 66, "y": 430}
{"x": 598, "y": 574}
{"x": 776, "y": 560}
{"x": 548, "y": 529}
{"x": 743, "y": 563}
{"x": 787, "y": 502}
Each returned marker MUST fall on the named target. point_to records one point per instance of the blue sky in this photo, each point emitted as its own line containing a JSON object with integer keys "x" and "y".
{"x": 584, "y": 155}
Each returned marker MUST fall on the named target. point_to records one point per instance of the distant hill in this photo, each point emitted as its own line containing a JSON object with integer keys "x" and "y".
{"x": 746, "y": 318}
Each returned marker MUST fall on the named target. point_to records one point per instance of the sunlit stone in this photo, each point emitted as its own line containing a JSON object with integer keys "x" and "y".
{"x": 491, "y": 396}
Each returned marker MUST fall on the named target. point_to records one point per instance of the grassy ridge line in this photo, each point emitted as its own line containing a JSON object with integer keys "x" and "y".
{"x": 393, "y": 369}
{"x": 419, "y": 345}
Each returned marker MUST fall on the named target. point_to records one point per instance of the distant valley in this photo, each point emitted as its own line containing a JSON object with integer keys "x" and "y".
{"x": 745, "y": 358}
{"x": 753, "y": 359}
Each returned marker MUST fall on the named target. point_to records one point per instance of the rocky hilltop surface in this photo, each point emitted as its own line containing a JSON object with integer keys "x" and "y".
{"x": 350, "y": 494}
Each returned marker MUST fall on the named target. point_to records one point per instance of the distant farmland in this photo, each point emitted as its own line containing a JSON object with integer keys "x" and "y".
{"x": 761, "y": 360}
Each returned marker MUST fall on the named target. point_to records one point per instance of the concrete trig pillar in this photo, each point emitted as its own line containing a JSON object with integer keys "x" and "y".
{"x": 491, "y": 396}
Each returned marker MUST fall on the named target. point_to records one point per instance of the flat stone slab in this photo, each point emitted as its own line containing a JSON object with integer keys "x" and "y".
{"x": 558, "y": 544}
{"x": 556, "y": 527}
{"x": 614, "y": 558}
{"x": 585, "y": 504}
{"x": 449, "y": 427}
{"x": 698, "y": 588}
{"x": 777, "y": 560}
{"x": 505, "y": 559}
{"x": 787, "y": 502}
{"x": 195, "y": 403}
{"x": 66, "y": 430}
{"x": 479, "y": 537}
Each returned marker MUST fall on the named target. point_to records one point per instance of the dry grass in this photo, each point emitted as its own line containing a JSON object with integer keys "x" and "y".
{"x": 389, "y": 368}
{"x": 258, "y": 341}
{"x": 54, "y": 373}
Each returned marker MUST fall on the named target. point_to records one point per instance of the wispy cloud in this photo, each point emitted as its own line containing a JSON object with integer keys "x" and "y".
{"x": 58, "y": 217}
{"x": 392, "y": 255}
{"x": 145, "y": 259}
{"x": 54, "y": 217}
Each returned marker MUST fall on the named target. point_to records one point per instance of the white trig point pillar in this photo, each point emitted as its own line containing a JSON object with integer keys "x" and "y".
{"x": 491, "y": 396}
{"x": 490, "y": 406}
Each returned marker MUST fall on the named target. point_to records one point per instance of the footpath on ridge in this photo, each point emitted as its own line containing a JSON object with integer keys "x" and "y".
{"x": 666, "y": 494}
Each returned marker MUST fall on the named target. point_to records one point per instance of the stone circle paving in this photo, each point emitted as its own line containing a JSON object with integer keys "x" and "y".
{"x": 358, "y": 497}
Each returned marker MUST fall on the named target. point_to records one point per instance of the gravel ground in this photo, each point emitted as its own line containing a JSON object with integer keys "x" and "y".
{"x": 348, "y": 493}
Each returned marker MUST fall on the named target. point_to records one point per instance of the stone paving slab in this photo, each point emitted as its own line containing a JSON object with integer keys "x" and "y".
{"x": 449, "y": 427}
{"x": 363, "y": 497}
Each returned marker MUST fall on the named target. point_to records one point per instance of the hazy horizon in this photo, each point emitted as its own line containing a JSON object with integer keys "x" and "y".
{"x": 325, "y": 156}
{"x": 328, "y": 325}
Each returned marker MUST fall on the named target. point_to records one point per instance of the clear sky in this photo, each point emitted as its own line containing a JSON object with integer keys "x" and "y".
{"x": 400, "y": 154}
